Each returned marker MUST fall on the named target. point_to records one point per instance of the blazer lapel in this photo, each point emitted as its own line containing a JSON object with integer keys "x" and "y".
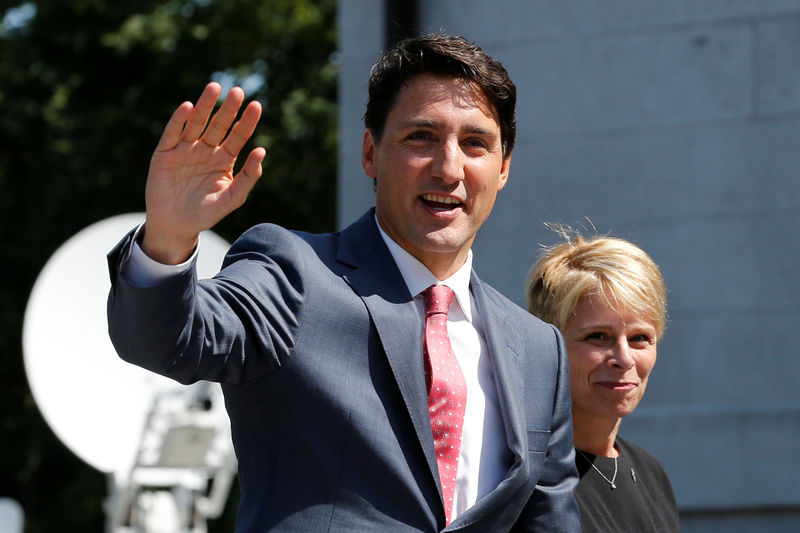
{"x": 377, "y": 280}
{"x": 502, "y": 341}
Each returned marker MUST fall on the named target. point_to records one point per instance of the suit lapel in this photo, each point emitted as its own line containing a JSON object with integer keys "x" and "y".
{"x": 374, "y": 276}
{"x": 377, "y": 280}
{"x": 502, "y": 341}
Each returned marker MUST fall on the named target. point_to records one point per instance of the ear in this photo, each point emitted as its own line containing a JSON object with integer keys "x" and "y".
{"x": 505, "y": 168}
{"x": 369, "y": 155}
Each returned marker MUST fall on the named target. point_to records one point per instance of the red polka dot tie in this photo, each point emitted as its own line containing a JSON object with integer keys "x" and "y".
{"x": 447, "y": 390}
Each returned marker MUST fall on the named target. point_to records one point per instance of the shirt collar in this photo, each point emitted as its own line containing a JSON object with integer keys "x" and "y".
{"x": 418, "y": 277}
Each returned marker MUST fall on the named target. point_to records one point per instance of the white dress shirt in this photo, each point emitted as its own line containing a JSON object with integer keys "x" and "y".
{"x": 481, "y": 463}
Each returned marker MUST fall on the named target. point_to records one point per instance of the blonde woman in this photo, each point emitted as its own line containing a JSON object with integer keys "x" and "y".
{"x": 608, "y": 299}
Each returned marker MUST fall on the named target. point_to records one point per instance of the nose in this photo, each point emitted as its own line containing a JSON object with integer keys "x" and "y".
{"x": 621, "y": 356}
{"x": 448, "y": 162}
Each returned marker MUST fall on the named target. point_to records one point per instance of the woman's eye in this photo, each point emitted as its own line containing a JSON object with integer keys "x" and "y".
{"x": 596, "y": 336}
{"x": 642, "y": 339}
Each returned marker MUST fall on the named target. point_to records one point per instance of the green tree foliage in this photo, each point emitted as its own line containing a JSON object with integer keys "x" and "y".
{"x": 86, "y": 87}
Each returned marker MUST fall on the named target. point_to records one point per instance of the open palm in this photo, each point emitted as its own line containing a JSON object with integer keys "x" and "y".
{"x": 191, "y": 185}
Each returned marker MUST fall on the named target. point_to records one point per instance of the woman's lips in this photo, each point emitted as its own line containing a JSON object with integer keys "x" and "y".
{"x": 617, "y": 385}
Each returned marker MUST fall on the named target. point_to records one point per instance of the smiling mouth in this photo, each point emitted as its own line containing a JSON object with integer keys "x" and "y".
{"x": 617, "y": 386}
{"x": 440, "y": 203}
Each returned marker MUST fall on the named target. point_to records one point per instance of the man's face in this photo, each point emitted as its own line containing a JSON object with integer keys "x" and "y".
{"x": 437, "y": 167}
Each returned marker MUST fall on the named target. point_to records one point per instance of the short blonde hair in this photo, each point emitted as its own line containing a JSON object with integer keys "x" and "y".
{"x": 579, "y": 266}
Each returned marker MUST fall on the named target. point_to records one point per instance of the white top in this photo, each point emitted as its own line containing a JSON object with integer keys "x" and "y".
{"x": 483, "y": 446}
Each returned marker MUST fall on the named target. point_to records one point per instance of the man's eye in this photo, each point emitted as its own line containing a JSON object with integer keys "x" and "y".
{"x": 476, "y": 143}
{"x": 419, "y": 136}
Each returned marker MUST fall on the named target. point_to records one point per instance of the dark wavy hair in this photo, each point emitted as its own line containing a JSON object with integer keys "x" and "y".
{"x": 446, "y": 56}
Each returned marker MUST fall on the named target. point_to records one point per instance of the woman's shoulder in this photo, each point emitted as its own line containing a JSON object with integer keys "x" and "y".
{"x": 634, "y": 450}
{"x": 642, "y": 499}
{"x": 642, "y": 459}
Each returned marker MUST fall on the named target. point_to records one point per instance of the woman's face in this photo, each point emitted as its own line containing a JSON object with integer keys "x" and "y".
{"x": 611, "y": 353}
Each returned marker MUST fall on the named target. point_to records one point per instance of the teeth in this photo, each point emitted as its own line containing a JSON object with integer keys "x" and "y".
{"x": 440, "y": 199}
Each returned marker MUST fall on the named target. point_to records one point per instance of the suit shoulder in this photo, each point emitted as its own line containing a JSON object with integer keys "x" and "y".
{"x": 268, "y": 231}
{"x": 273, "y": 239}
{"x": 515, "y": 312}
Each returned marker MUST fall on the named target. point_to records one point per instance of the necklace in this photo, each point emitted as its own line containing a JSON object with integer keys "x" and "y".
{"x": 613, "y": 478}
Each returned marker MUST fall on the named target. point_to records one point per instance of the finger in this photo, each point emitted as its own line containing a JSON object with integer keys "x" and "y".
{"x": 198, "y": 118}
{"x": 174, "y": 128}
{"x": 243, "y": 129}
{"x": 222, "y": 119}
{"x": 247, "y": 177}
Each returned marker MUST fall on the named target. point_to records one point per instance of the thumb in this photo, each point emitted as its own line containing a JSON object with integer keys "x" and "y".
{"x": 247, "y": 177}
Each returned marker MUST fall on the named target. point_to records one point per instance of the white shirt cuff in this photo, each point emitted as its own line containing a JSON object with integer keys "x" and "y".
{"x": 141, "y": 271}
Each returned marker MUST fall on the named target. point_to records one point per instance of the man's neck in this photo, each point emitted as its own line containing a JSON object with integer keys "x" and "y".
{"x": 441, "y": 264}
{"x": 418, "y": 276}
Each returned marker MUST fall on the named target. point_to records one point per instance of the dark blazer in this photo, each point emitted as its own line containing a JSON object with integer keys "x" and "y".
{"x": 317, "y": 344}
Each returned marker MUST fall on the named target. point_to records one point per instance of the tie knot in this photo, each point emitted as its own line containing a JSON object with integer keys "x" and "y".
{"x": 437, "y": 299}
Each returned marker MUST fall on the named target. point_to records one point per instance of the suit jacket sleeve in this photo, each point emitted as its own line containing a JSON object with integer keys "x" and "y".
{"x": 552, "y": 507}
{"x": 236, "y": 327}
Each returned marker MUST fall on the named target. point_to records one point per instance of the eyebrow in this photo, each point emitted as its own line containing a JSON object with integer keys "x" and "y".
{"x": 594, "y": 326}
{"x": 432, "y": 124}
{"x": 605, "y": 327}
{"x": 418, "y": 123}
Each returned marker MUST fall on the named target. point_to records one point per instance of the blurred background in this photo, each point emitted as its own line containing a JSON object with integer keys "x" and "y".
{"x": 672, "y": 123}
{"x": 86, "y": 87}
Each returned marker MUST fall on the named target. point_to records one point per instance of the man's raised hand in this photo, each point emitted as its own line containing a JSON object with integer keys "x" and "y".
{"x": 191, "y": 186}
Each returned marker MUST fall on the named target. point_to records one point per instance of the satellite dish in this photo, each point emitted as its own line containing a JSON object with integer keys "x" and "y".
{"x": 95, "y": 403}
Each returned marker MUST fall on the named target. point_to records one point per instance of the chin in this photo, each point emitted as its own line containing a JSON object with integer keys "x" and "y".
{"x": 445, "y": 241}
{"x": 625, "y": 410}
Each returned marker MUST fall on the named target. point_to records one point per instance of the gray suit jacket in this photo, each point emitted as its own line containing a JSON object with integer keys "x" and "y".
{"x": 317, "y": 344}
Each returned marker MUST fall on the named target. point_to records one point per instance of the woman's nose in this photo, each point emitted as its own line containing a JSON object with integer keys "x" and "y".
{"x": 621, "y": 355}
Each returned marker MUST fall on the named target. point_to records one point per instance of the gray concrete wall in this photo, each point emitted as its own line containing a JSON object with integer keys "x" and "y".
{"x": 674, "y": 124}
{"x": 361, "y": 40}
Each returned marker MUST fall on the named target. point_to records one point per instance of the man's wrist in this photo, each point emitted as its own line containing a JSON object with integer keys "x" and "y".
{"x": 142, "y": 271}
{"x": 167, "y": 251}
